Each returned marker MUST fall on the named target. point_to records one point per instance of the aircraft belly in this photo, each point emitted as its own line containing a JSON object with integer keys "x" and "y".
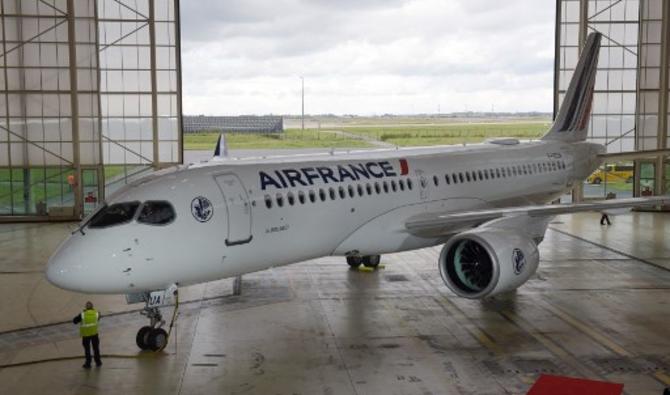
{"x": 386, "y": 233}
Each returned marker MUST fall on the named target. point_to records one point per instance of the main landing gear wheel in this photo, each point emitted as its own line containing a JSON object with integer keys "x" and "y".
{"x": 354, "y": 261}
{"x": 371, "y": 261}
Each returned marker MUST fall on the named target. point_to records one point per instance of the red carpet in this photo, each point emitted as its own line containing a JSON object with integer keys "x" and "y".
{"x": 557, "y": 385}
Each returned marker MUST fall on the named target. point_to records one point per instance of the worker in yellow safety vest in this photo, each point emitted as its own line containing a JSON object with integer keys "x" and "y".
{"x": 88, "y": 329}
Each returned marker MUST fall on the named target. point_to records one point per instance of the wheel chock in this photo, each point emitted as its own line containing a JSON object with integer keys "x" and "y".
{"x": 370, "y": 269}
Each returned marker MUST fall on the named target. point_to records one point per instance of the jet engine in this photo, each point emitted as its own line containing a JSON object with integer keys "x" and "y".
{"x": 486, "y": 262}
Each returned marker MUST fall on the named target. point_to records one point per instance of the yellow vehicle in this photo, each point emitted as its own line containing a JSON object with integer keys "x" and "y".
{"x": 612, "y": 173}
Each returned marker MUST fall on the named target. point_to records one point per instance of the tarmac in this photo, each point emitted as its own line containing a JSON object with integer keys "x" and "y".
{"x": 597, "y": 308}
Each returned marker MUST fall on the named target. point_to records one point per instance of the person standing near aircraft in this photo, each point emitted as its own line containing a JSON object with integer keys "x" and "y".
{"x": 605, "y": 218}
{"x": 88, "y": 329}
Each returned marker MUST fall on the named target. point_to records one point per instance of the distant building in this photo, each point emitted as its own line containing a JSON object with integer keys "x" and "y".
{"x": 239, "y": 124}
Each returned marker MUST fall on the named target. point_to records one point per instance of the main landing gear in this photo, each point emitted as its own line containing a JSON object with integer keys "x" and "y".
{"x": 371, "y": 261}
{"x": 153, "y": 337}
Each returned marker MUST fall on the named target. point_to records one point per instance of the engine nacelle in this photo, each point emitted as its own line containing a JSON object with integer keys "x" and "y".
{"x": 485, "y": 262}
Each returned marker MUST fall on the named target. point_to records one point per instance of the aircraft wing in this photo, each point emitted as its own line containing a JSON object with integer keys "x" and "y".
{"x": 449, "y": 223}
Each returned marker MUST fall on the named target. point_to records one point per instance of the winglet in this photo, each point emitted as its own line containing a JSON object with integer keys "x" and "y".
{"x": 221, "y": 150}
{"x": 571, "y": 123}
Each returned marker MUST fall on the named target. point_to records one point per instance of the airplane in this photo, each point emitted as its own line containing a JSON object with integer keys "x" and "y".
{"x": 485, "y": 203}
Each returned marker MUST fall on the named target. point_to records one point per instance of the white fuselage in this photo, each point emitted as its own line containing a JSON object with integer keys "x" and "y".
{"x": 264, "y": 220}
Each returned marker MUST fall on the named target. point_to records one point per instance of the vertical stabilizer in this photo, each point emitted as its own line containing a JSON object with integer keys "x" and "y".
{"x": 221, "y": 150}
{"x": 571, "y": 123}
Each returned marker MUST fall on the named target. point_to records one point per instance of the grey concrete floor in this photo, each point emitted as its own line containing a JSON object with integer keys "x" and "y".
{"x": 598, "y": 307}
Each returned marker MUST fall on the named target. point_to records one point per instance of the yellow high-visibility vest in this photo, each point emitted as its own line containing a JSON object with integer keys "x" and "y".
{"x": 89, "y": 323}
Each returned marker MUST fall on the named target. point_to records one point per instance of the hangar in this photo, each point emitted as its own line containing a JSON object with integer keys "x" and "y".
{"x": 596, "y": 308}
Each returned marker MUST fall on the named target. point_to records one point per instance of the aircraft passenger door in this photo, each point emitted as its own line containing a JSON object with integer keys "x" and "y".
{"x": 238, "y": 207}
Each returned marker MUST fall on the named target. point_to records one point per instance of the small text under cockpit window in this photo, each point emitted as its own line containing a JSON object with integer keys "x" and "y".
{"x": 156, "y": 213}
{"x": 116, "y": 214}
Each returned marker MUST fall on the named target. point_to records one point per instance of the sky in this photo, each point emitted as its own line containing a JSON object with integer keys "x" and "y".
{"x": 366, "y": 57}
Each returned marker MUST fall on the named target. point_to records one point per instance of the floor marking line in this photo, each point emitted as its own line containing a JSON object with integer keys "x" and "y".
{"x": 610, "y": 249}
{"x": 586, "y": 329}
{"x": 549, "y": 344}
{"x": 663, "y": 378}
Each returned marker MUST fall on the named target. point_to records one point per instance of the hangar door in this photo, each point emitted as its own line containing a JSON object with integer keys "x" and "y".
{"x": 238, "y": 207}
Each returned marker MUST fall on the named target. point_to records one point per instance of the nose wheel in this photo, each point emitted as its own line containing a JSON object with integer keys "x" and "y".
{"x": 153, "y": 337}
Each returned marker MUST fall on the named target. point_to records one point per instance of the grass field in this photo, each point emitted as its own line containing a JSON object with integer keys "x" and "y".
{"x": 456, "y": 133}
{"x": 399, "y": 134}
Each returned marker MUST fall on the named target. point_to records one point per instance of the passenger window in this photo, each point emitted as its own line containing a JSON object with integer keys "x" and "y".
{"x": 290, "y": 198}
{"x": 343, "y": 194}
{"x": 446, "y": 179}
{"x": 409, "y": 184}
{"x": 498, "y": 173}
{"x": 401, "y": 184}
{"x": 455, "y": 178}
{"x": 377, "y": 188}
{"x": 368, "y": 188}
{"x": 280, "y": 200}
{"x": 352, "y": 193}
{"x": 156, "y": 213}
{"x": 385, "y": 185}
{"x": 312, "y": 196}
{"x": 393, "y": 186}
{"x": 268, "y": 201}
{"x": 322, "y": 195}
{"x": 481, "y": 176}
{"x": 301, "y": 197}
{"x": 331, "y": 193}
{"x": 435, "y": 181}
{"x": 360, "y": 190}
{"x": 116, "y": 214}
{"x": 467, "y": 176}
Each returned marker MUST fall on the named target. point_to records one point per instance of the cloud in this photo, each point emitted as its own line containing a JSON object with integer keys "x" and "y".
{"x": 366, "y": 57}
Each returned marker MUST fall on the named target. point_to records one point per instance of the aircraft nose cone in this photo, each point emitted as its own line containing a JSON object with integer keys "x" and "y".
{"x": 62, "y": 272}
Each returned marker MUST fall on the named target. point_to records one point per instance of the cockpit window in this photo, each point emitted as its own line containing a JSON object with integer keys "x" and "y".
{"x": 156, "y": 213}
{"x": 116, "y": 214}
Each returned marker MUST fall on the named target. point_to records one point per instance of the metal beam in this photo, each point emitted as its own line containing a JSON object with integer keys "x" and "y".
{"x": 662, "y": 136}
{"x": 154, "y": 87}
{"x": 74, "y": 109}
{"x": 101, "y": 168}
{"x": 180, "y": 120}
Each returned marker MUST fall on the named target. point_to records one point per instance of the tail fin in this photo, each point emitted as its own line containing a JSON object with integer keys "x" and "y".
{"x": 571, "y": 123}
{"x": 221, "y": 150}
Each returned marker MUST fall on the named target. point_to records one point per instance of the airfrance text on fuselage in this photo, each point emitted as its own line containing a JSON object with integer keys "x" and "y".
{"x": 307, "y": 176}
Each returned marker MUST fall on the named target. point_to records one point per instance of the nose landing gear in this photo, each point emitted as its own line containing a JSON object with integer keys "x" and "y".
{"x": 153, "y": 337}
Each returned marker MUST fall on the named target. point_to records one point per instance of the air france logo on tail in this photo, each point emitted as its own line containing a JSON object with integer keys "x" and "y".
{"x": 518, "y": 261}
{"x": 202, "y": 209}
{"x": 307, "y": 176}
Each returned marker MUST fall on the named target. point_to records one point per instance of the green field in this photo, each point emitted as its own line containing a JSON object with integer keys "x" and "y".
{"x": 455, "y": 133}
{"x": 291, "y": 138}
{"x": 346, "y": 136}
